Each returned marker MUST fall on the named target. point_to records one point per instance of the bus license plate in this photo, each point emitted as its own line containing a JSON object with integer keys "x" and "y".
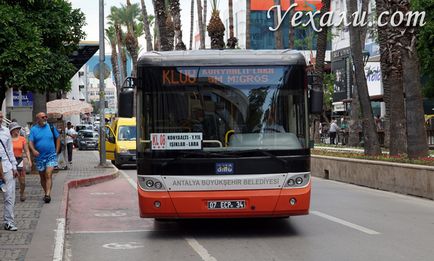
{"x": 233, "y": 204}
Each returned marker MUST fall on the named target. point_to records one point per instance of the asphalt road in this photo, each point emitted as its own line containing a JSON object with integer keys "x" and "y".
{"x": 346, "y": 222}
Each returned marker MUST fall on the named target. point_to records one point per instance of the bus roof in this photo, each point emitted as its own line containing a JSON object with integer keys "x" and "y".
{"x": 221, "y": 57}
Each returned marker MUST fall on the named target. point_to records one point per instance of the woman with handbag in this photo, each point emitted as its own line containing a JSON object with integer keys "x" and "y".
{"x": 20, "y": 145}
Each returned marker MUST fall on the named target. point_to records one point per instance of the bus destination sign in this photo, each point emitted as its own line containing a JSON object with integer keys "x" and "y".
{"x": 263, "y": 75}
{"x": 176, "y": 141}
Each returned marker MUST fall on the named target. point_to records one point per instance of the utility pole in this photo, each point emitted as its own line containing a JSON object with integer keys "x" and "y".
{"x": 102, "y": 155}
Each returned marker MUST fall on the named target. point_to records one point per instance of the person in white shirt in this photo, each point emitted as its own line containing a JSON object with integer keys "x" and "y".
{"x": 71, "y": 134}
{"x": 9, "y": 166}
{"x": 332, "y": 131}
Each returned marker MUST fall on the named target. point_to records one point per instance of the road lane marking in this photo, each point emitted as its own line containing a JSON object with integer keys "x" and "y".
{"x": 113, "y": 231}
{"x": 123, "y": 246}
{"x": 199, "y": 249}
{"x": 129, "y": 179}
{"x": 59, "y": 240}
{"x": 345, "y": 223}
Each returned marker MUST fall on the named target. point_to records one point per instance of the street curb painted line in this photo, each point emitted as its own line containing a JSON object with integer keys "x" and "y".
{"x": 63, "y": 213}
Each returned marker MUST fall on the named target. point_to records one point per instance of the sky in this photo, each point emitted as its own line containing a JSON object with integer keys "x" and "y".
{"x": 90, "y": 8}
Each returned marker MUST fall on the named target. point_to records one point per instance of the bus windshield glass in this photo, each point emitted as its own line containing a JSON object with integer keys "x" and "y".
{"x": 225, "y": 108}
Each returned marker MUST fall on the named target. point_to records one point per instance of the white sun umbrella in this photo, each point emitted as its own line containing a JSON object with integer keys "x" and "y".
{"x": 67, "y": 107}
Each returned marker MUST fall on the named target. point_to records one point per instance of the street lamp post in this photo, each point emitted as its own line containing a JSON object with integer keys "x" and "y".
{"x": 102, "y": 155}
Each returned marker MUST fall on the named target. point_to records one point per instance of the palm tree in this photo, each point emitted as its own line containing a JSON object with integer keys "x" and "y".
{"x": 111, "y": 36}
{"x": 146, "y": 24}
{"x": 114, "y": 19}
{"x": 277, "y": 34}
{"x": 216, "y": 29}
{"x": 129, "y": 15}
{"x": 176, "y": 14}
{"x": 391, "y": 70}
{"x": 248, "y": 6}
{"x": 232, "y": 41}
{"x": 371, "y": 143}
{"x": 417, "y": 145}
{"x": 201, "y": 24}
{"x": 161, "y": 22}
{"x": 191, "y": 24}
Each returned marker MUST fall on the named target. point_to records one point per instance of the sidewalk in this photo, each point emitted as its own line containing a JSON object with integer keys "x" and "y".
{"x": 36, "y": 221}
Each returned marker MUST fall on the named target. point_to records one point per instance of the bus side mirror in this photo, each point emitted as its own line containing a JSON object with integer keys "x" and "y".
{"x": 126, "y": 98}
{"x": 126, "y": 103}
{"x": 316, "y": 101}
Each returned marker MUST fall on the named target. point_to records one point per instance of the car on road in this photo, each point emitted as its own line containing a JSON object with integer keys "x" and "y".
{"x": 87, "y": 139}
{"x": 121, "y": 141}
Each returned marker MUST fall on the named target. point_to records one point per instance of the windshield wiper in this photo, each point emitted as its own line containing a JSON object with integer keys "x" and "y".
{"x": 195, "y": 153}
{"x": 270, "y": 155}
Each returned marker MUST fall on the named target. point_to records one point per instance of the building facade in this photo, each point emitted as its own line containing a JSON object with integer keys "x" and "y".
{"x": 342, "y": 65}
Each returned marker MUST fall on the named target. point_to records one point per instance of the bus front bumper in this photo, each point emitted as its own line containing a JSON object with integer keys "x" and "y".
{"x": 258, "y": 203}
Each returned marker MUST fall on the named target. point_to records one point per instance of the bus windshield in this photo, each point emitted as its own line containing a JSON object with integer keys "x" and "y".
{"x": 225, "y": 108}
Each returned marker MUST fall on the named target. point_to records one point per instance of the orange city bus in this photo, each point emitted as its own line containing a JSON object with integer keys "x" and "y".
{"x": 222, "y": 134}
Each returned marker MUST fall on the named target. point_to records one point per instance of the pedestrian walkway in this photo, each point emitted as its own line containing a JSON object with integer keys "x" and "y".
{"x": 35, "y": 220}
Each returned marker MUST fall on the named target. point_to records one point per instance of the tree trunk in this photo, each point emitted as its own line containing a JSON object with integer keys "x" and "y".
{"x": 39, "y": 104}
{"x": 114, "y": 61}
{"x": 291, "y": 29}
{"x": 161, "y": 18}
{"x": 191, "y": 24}
{"x": 371, "y": 144}
{"x": 201, "y": 24}
{"x": 318, "y": 79}
{"x": 391, "y": 71}
{"x": 248, "y": 7}
{"x": 417, "y": 143}
{"x": 354, "y": 127}
{"x": 176, "y": 14}
{"x": 146, "y": 26}
{"x": 170, "y": 33}
{"x": 121, "y": 52}
{"x": 205, "y": 11}
{"x": 277, "y": 34}
{"x": 232, "y": 41}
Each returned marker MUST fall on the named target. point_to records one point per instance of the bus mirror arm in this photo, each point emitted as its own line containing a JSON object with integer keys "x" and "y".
{"x": 316, "y": 101}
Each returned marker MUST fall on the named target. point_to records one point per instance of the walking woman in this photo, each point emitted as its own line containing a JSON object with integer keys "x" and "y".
{"x": 20, "y": 145}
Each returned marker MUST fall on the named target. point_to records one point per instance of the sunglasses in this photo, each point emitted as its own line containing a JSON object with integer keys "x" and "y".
{"x": 44, "y": 117}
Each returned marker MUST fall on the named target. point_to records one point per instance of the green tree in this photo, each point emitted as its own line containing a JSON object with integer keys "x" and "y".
{"x": 36, "y": 40}
{"x": 425, "y": 45}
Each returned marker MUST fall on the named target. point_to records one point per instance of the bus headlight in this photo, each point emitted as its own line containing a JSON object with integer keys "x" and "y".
{"x": 123, "y": 150}
{"x": 149, "y": 183}
{"x": 297, "y": 180}
{"x": 153, "y": 183}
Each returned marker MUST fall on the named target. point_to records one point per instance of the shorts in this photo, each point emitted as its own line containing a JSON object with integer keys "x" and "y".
{"x": 44, "y": 163}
